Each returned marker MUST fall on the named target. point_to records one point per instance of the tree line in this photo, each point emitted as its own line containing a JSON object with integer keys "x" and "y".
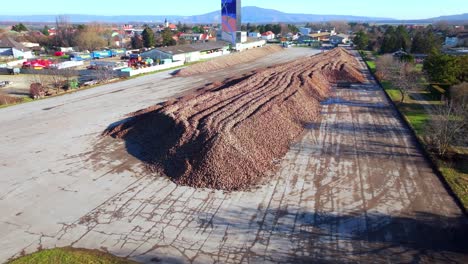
{"x": 390, "y": 39}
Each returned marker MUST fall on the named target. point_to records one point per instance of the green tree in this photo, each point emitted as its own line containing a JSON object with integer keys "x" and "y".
{"x": 443, "y": 68}
{"x": 137, "y": 42}
{"x": 293, "y": 29}
{"x": 45, "y": 30}
{"x": 197, "y": 29}
{"x": 148, "y": 37}
{"x": 395, "y": 39}
{"x": 425, "y": 41}
{"x": 276, "y": 29}
{"x": 19, "y": 27}
{"x": 402, "y": 38}
{"x": 261, "y": 29}
{"x": 180, "y": 27}
{"x": 251, "y": 28}
{"x": 462, "y": 62}
{"x": 81, "y": 27}
{"x": 167, "y": 38}
{"x": 361, "y": 40}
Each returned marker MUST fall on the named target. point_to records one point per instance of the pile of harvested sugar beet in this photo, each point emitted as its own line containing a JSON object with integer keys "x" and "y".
{"x": 228, "y": 137}
{"x": 229, "y": 60}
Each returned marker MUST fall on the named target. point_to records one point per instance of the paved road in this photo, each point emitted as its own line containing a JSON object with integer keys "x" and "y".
{"x": 353, "y": 189}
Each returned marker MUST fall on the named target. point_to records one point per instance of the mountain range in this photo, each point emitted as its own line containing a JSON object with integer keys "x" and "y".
{"x": 250, "y": 14}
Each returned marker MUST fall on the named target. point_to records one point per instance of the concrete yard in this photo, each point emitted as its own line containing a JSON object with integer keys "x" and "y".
{"x": 355, "y": 188}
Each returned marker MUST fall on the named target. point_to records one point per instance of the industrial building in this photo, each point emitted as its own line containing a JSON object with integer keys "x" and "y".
{"x": 190, "y": 52}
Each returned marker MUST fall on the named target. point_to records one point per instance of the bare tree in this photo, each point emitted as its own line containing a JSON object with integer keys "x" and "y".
{"x": 459, "y": 93}
{"x": 340, "y": 26}
{"x": 41, "y": 79}
{"x": 447, "y": 127}
{"x": 56, "y": 79}
{"x": 402, "y": 75}
{"x": 36, "y": 91}
{"x": 104, "y": 74}
{"x": 384, "y": 66}
{"x": 406, "y": 78}
{"x": 90, "y": 39}
{"x": 64, "y": 32}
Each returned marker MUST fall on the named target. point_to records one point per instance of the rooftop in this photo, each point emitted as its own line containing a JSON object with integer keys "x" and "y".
{"x": 7, "y": 42}
{"x": 194, "y": 47}
{"x": 322, "y": 34}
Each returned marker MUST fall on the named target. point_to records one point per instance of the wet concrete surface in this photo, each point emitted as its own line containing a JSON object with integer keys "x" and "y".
{"x": 355, "y": 188}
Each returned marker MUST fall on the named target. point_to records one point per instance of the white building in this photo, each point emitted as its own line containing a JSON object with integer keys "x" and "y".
{"x": 241, "y": 36}
{"x": 255, "y": 35}
{"x": 458, "y": 40}
{"x": 30, "y": 45}
{"x": 339, "y": 39}
{"x": 254, "y": 43}
{"x": 189, "y": 52}
{"x": 305, "y": 31}
{"x": 268, "y": 35}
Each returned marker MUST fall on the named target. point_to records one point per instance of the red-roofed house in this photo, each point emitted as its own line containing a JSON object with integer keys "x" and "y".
{"x": 52, "y": 31}
{"x": 268, "y": 35}
{"x": 172, "y": 27}
{"x": 206, "y": 36}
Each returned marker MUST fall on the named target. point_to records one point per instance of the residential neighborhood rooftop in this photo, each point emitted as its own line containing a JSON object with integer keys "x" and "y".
{"x": 7, "y": 42}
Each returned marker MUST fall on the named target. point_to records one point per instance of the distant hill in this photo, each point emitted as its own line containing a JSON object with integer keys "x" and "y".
{"x": 461, "y": 17}
{"x": 250, "y": 14}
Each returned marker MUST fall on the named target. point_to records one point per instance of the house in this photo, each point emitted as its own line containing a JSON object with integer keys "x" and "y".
{"x": 339, "y": 39}
{"x": 399, "y": 54}
{"x": 305, "y": 31}
{"x": 451, "y": 41}
{"x": 268, "y": 35}
{"x": 321, "y": 36}
{"x": 172, "y": 27}
{"x": 191, "y": 37}
{"x": 459, "y": 40}
{"x": 52, "y": 31}
{"x": 292, "y": 36}
{"x": 30, "y": 45}
{"x": 255, "y": 35}
{"x": 11, "y": 48}
{"x": 307, "y": 40}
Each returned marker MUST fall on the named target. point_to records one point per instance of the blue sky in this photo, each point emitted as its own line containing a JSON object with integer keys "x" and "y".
{"x": 401, "y": 9}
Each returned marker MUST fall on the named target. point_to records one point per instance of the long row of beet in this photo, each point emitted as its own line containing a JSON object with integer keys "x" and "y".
{"x": 229, "y": 136}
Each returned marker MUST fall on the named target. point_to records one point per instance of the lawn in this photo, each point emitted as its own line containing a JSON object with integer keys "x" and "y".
{"x": 70, "y": 255}
{"x": 457, "y": 176}
{"x": 371, "y": 65}
{"x": 454, "y": 171}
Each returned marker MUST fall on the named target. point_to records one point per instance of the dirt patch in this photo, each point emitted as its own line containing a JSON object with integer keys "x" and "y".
{"x": 229, "y": 60}
{"x": 7, "y": 99}
{"x": 229, "y": 136}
